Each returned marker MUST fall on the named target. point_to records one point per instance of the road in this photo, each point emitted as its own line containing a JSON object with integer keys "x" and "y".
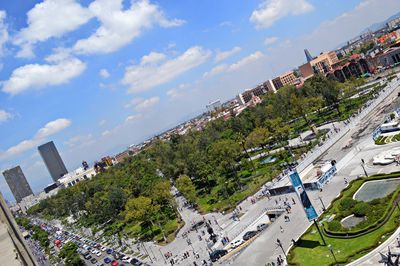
{"x": 264, "y": 249}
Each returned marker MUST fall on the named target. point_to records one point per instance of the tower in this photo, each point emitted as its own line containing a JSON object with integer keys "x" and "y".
{"x": 52, "y": 160}
{"x": 16, "y": 180}
{"x": 308, "y": 55}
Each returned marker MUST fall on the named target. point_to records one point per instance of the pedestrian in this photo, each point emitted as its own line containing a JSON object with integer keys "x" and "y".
{"x": 294, "y": 202}
{"x": 281, "y": 229}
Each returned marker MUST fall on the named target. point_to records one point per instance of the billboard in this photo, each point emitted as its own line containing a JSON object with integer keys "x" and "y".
{"x": 301, "y": 193}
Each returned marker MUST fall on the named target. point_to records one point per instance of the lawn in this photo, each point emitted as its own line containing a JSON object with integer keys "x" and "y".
{"x": 310, "y": 251}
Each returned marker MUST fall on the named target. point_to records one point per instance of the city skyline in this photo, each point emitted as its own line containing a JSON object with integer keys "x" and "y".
{"x": 120, "y": 109}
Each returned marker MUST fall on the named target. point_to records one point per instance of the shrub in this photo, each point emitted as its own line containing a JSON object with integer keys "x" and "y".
{"x": 347, "y": 204}
{"x": 361, "y": 209}
{"x": 335, "y": 225}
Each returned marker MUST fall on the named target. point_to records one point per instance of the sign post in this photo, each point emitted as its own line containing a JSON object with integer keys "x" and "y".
{"x": 305, "y": 201}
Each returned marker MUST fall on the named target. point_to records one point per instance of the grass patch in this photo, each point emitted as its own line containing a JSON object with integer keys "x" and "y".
{"x": 310, "y": 251}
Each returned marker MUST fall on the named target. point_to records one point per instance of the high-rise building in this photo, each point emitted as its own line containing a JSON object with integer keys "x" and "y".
{"x": 13, "y": 249}
{"x": 308, "y": 55}
{"x": 16, "y": 180}
{"x": 52, "y": 160}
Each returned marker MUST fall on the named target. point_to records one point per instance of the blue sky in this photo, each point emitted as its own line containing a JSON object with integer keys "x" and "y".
{"x": 95, "y": 76}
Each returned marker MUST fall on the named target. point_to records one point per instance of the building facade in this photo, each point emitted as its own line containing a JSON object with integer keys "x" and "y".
{"x": 322, "y": 64}
{"x": 288, "y": 78}
{"x": 13, "y": 249}
{"x": 52, "y": 160}
{"x": 17, "y": 183}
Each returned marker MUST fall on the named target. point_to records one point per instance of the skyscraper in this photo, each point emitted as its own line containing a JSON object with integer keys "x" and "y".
{"x": 308, "y": 55}
{"x": 16, "y": 180}
{"x": 52, "y": 160}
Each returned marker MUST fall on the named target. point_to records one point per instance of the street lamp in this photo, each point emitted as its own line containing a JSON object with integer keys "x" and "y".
{"x": 333, "y": 254}
{"x": 279, "y": 243}
{"x": 362, "y": 165}
{"x": 323, "y": 205}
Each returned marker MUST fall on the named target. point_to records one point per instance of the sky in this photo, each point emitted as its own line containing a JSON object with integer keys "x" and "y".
{"x": 96, "y": 76}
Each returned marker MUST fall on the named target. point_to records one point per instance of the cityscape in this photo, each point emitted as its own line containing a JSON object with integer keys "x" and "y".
{"x": 159, "y": 133}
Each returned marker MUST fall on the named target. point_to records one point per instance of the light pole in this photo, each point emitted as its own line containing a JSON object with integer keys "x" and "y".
{"x": 323, "y": 205}
{"x": 333, "y": 254}
{"x": 279, "y": 243}
{"x": 362, "y": 165}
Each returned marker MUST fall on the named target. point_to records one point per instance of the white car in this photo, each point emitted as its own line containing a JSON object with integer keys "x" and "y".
{"x": 94, "y": 251}
{"x": 236, "y": 243}
{"x": 98, "y": 253}
{"x": 126, "y": 259}
{"x": 103, "y": 249}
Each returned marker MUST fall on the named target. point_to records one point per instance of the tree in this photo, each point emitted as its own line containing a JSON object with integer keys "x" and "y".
{"x": 185, "y": 185}
{"x": 258, "y": 137}
{"x": 69, "y": 249}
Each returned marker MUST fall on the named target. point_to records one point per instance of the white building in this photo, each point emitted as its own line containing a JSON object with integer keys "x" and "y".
{"x": 72, "y": 178}
{"x": 214, "y": 106}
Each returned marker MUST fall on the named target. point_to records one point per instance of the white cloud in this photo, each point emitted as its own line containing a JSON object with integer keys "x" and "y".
{"x": 4, "y": 116}
{"x": 178, "y": 91}
{"x": 49, "y": 129}
{"x": 246, "y": 60}
{"x": 153, "y": 58}
{"x": 235, "y": 66}
{"x": 37, "y": 76}
{"x": 216, "y": 70}
{"x": 225, "y": 54}
{"x": 50, "y": 18}
{"x": 102, "y": 122}
{"x": 132, "y": 118}
{"x": 52, "y": 127}
{"x": 80, "y": 141}
{"x": 4, "y": 37}
{"x": 271, "y": 11}
{"x": 147, "y": 103}
{"x": 105, "y": 133}
{"x": 104, "y": 73}
{"x": 119, "y": 27}
{"x": 270, "y": 40}
{"x": 145, "y": 77}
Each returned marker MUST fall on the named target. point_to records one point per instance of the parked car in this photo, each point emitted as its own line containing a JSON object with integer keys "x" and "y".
{"x": 98, "y": 253}
{"x": 88, "y": 257}
{"x": 136, "y": 262}
{"x": 236, "y": 243}
{"x": 217, "y": 254}
{"x": 262, "y": 227}
{"x": 103, "y": 249}
{"x": 107, "y": 260}
{"x": 93, "y": 260}
{"x": 249, "y": 235}
{"x": 109, "y": 251}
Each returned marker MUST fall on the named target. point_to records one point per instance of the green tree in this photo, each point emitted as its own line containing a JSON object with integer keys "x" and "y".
{"x": 258, "y": 137}
{"x": 185, "y": 185}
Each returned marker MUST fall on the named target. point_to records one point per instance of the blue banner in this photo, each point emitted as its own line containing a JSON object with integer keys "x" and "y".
{"x": 301, "y": 193}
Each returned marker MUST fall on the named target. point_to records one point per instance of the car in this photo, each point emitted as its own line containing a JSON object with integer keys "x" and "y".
{"x": 262, "y": 227}
{"x": 197, "y": 225}
{"x": 248, "y": 235}
{"x": 93, "y": 260}
{"x": 107, "y": 260}
{"x": 236, "y": 243}
{"x": 100, "y": 264}
{"x": 109, "y": 251}
{"x": 125, "y": 258}
{"x": 88, "y": 257}
{"x": 136, "y": 262}
{"x": 217, "y": 254}
{"x": 103, "y": 249}
{"x": 98, "y": 253}
{"x": 114, "y": 263}
{"x": 94, "y": 251}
